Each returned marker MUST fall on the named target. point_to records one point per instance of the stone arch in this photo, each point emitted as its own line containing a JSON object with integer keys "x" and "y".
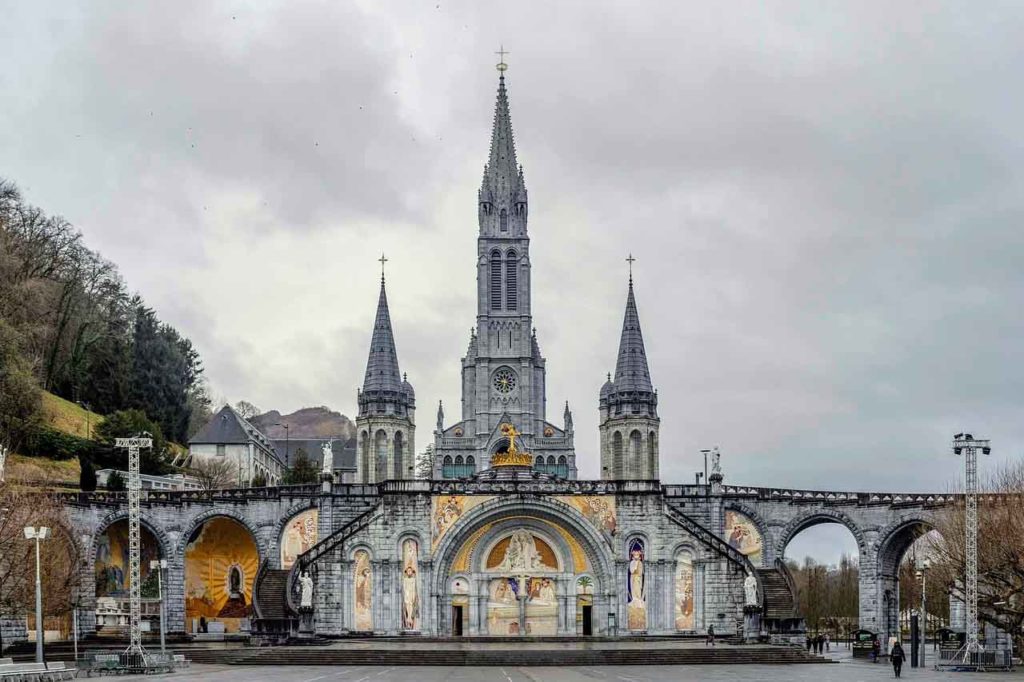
{"x": 814, "y": 517}
{"x": 559, "y": 513}
{"x": 167, "y": 550}
{"x": 895, "y": 540}
{"x": 199, "y": 519}
{"x": 485, "y": 544}
{"x": 282, "y": 523}
{"x": 762, "y": 525}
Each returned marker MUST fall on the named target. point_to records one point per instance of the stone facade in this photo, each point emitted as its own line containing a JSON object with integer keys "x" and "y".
{"x": 503, "y": 372}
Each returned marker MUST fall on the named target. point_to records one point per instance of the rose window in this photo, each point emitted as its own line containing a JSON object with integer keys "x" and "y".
{"x": 504, "y": 381}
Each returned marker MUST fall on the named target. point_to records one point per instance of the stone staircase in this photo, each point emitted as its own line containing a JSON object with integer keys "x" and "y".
{"x": 421, "y": 654}
{"x": 271, "y": 594}
{"x": 779, "y": 603}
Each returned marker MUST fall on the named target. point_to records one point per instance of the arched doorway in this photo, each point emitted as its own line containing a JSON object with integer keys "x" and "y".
{"x": 502, "y": 569}
{"x": 221, "y": 560}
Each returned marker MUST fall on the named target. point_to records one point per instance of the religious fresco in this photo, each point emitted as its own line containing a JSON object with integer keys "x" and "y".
{"x": 362, "y": 574}
{"x": 299, "y": 535}
{"x": 410, "y": 585}
{"x": 503, "y": 607}
{"x": 221, "y": 560}
{"x": 599, "y": 510}
{"x": 636, "y": 604}
{"x": 111, "y": 567}
{"x": 541, "y": 607}
{"x": 684, "y": 614}
{"x": 521, "y": 551}
{"x": 447, "y": 510}
{"x": 742, "y": 534}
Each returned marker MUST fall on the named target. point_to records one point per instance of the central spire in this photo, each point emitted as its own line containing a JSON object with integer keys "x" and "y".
{"x": 502, "y": 197}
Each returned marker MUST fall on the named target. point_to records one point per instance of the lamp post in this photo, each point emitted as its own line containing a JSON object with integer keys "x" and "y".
{"x": 88, "y": 418}
{"x": 38, "y": 534}
{"x": 159, "y": 566}
{"x": 287, "y": 442}
{"x": 922, "y": 573}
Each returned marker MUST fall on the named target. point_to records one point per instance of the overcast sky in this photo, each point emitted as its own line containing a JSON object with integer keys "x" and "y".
{"x": 825, "y": 201}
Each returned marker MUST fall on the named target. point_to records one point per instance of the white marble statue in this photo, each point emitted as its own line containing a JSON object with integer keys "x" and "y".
{"x": 328, "y": 464}
{"x": 306, "y": 585}
{"x": 716, "y": 465}
{"x": 521, "y": 553}
{"x": 750, "y": 588}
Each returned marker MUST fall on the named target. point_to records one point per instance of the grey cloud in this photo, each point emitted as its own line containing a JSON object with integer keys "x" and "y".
{"x": 825, "y": 201}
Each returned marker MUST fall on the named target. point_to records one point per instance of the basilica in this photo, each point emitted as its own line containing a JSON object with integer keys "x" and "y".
{"x": 505, "y": 540}
{"x": 502, "y": 539}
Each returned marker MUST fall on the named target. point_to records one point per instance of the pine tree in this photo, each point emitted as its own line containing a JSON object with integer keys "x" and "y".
{"x": 115, "y": 482}
{"x": 87, "y": 479}
{"x": 303, "y": 470}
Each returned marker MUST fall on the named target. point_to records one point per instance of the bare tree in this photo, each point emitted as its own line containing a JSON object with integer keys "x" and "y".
{"x": 59, "y": 554}
{"x": 214, "y": 474}
{"x": 1000, "y": 550}
{"x": 246, "y": 409}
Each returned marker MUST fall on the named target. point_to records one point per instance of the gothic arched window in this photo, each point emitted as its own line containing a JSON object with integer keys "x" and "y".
{"x": 635, "y": 466}
{"x": 470, "y": 465}
{"x": 652, "y": 455}
{"x": 446, "y": 467}
{"x": 511, "y": 280}
{"x": 495, "y": 280}
{"x": 399, "y": 448}
{"x": 539, "y": 464}
{"x": 503, "y": 220}
{"x": 563, "y": 467}
{"x": 380, "y": 455}
{"x": 617, "y": 455}
{"x": 364, "y": 458}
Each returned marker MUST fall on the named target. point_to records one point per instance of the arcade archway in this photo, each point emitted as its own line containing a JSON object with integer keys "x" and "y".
{"x": 221, "y": 560}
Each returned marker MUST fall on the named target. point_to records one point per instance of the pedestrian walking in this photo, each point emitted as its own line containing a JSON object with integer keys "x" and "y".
{"x": 826, "y": 642}
{"x": 810, "y": 643}
{"x": 876, "y": 650}
{"x": 897, "y": 657}
{"x": 711, "y": 636}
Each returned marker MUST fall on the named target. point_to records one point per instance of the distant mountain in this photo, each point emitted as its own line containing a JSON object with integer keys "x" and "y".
{"x": 309, "y": 422}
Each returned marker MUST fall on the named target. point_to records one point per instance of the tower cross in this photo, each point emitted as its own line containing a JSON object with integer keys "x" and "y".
{"x": 382, "y": 260}
{"x": 502, "y": 66}
{"x": 631, "y": 260}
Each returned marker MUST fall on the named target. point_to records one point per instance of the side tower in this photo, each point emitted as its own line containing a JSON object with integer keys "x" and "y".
{"x": 385, "y": 425}
{"x": 503, "y": 371}
{"x": 629, "y": 408}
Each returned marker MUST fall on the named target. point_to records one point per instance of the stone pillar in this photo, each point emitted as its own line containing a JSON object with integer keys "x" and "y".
{"x": 872, "y": 588}
{"x": 751, "y": 624}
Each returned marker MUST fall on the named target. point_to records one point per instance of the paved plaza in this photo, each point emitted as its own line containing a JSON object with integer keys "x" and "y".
{"x": 847, "y": 671}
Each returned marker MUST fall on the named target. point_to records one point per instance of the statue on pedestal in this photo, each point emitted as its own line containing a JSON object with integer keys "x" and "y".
{"x": 328, "y": 464}
{"x": 306, "y": 586}
{"x": 750, "y": 590}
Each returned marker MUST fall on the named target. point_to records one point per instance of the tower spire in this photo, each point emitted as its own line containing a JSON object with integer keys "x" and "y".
{"x": 631, "y": 370}
{"x": 501, "y": 174}
{"x": 382, "y": 373}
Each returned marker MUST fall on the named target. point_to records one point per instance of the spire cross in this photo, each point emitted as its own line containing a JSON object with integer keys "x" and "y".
{"x": 502, "y": 66}
{"x": 631, "y": 260}
{"x": 382, "y": 260}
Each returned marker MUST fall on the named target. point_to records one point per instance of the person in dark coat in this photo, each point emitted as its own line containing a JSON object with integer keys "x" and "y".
{"x": 810, "y": 643}
{"x": 711, "y": 636}
{"x": 897, "y": 657}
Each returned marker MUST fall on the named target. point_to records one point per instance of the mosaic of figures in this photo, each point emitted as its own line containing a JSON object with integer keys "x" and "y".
{"x": 598, "y": 510}
{"x": 410, "y": 585}
{"x": 362, "y": 607}
{"x": 299, "y": 535}
{"x": 111, "y": 567}
{"x": 636, "y": 602}
{"x": 742, "y": 534}
{"x": 684, "y": 615}
{"x": 221, "y": 560}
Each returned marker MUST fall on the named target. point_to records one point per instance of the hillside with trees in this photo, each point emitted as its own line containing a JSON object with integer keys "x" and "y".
{"x": 70, "y": 326}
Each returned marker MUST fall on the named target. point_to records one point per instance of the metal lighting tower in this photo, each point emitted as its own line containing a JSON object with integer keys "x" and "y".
{"x": 133, "y": 446}
{"x": 968, "y": 446}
